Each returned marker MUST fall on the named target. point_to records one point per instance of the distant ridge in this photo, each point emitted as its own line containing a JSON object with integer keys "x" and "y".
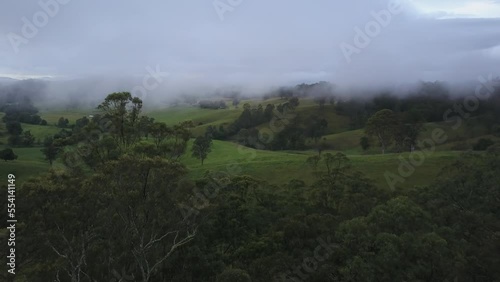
{"x": 7, "y": 79}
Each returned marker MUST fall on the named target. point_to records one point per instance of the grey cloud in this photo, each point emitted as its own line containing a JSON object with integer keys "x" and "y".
{"x": 259, "y": 43}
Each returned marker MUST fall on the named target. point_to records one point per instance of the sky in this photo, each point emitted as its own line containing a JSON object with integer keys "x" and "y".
{"x": 258, "y": 42}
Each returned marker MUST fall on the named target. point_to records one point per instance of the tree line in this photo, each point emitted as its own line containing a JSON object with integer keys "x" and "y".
{"x": 132, "y": 218}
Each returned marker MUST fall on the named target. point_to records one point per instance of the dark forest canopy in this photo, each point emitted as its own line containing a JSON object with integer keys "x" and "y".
{"x": 123, "y": 206}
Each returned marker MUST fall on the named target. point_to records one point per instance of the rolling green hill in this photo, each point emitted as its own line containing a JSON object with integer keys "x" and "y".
{"x": 53, "y": 116}
{"x": 281, "y": 167}
{"x": 29, "y": 163}
{"x": 276, "y": 167}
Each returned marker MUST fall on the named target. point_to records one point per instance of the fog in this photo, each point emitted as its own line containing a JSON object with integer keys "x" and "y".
{"x": 87, "y": 48}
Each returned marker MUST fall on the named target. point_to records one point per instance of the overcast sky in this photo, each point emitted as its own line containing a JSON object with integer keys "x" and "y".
{"x": 255, "y": 41}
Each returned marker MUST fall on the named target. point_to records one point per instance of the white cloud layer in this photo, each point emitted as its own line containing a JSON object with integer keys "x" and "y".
{"x": 258, "y": 42}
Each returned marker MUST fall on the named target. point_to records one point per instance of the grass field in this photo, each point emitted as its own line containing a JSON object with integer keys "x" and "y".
{"x": 53, "y": 116}
{"x": 38, "y": 131}
{"x": 197, "y": 115}
{"x": 275, "y": 167}
{"x": 281, "y": 167}
{"x": 202, "y": 118}
{"x": 30, "y": 162}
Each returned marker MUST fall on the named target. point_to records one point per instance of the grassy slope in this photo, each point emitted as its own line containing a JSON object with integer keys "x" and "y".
{"x": 276, "y": 167}
{"x": 205, "y": 117}
{"x": 202, "y": 118}
{"x": 281, "y": 167}
{"x": 40, "y": 131}
{"x": 53, "y": 116}
{"x": 462, "y": 138}
{"x": 30, "y": 162}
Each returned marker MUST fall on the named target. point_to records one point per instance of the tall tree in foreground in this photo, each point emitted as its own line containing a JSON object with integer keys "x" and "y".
{"x": 201, "y": 147}
{"x": 89, "y": 227}
{"x": 123, "y": 111}
{"x": 143, "y": 209}
{"x": 383, "y": 124}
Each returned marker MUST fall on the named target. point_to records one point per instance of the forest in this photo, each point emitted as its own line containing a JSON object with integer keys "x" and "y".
{"x": 118, "y": 203}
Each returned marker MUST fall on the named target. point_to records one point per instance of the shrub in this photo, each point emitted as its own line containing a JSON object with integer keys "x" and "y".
{"x": 7, "y": 155}
{"x": 364, "y": 142}
{"x": 483, "y": 144}
{"x": 234, "y": 275}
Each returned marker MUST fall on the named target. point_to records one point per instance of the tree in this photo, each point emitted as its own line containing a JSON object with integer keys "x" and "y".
{"x": 291, "y": 137}
{"x": 181, "y": 136}
{"x": 212, "y": 104}
{"x": 236, "y": 102}
{"x": 145, "y": 124}
{"x": 323, "y": 146}
{"x": 234, "y": 275}
{"x": 494, "y": 150}
{"x": 383, "y": 125}
{"x": 134, "y": 226}
{"x": 245, "y": 119}
{"x": 50, "y": 150}
{"x": 14, "y": 128}
{"x": 316, "y": 128}
{"x": 201, "y": 147}
{"x": 321, "y": 101}
{"x": 248, "y": 137}
{"x": 160, "y": 131}
{"x": 364, "y": 142}
{"x": 28, "y": 139}
{"x": 144, "y": 210}
{"x": 406, "y": 135}
{"x": 62, "y": 122}
{"x": 313, "y": 161}
{"x": 269, "y": 112}
{"x": 15, "y": 140}
{"x": 66, "y": 227}
{"x": 483, "y": 144}
{"x": 293, "y": 103}
{"x": 123, "y": 110}
{"x": 8, "y": 155}
{"x": 81, "y": 122}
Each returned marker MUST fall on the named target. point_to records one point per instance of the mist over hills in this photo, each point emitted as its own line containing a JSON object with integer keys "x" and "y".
{"x": 86, "y": 93}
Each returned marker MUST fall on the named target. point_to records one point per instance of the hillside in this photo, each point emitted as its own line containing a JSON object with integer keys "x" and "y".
{"x": 274, "y": 166}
